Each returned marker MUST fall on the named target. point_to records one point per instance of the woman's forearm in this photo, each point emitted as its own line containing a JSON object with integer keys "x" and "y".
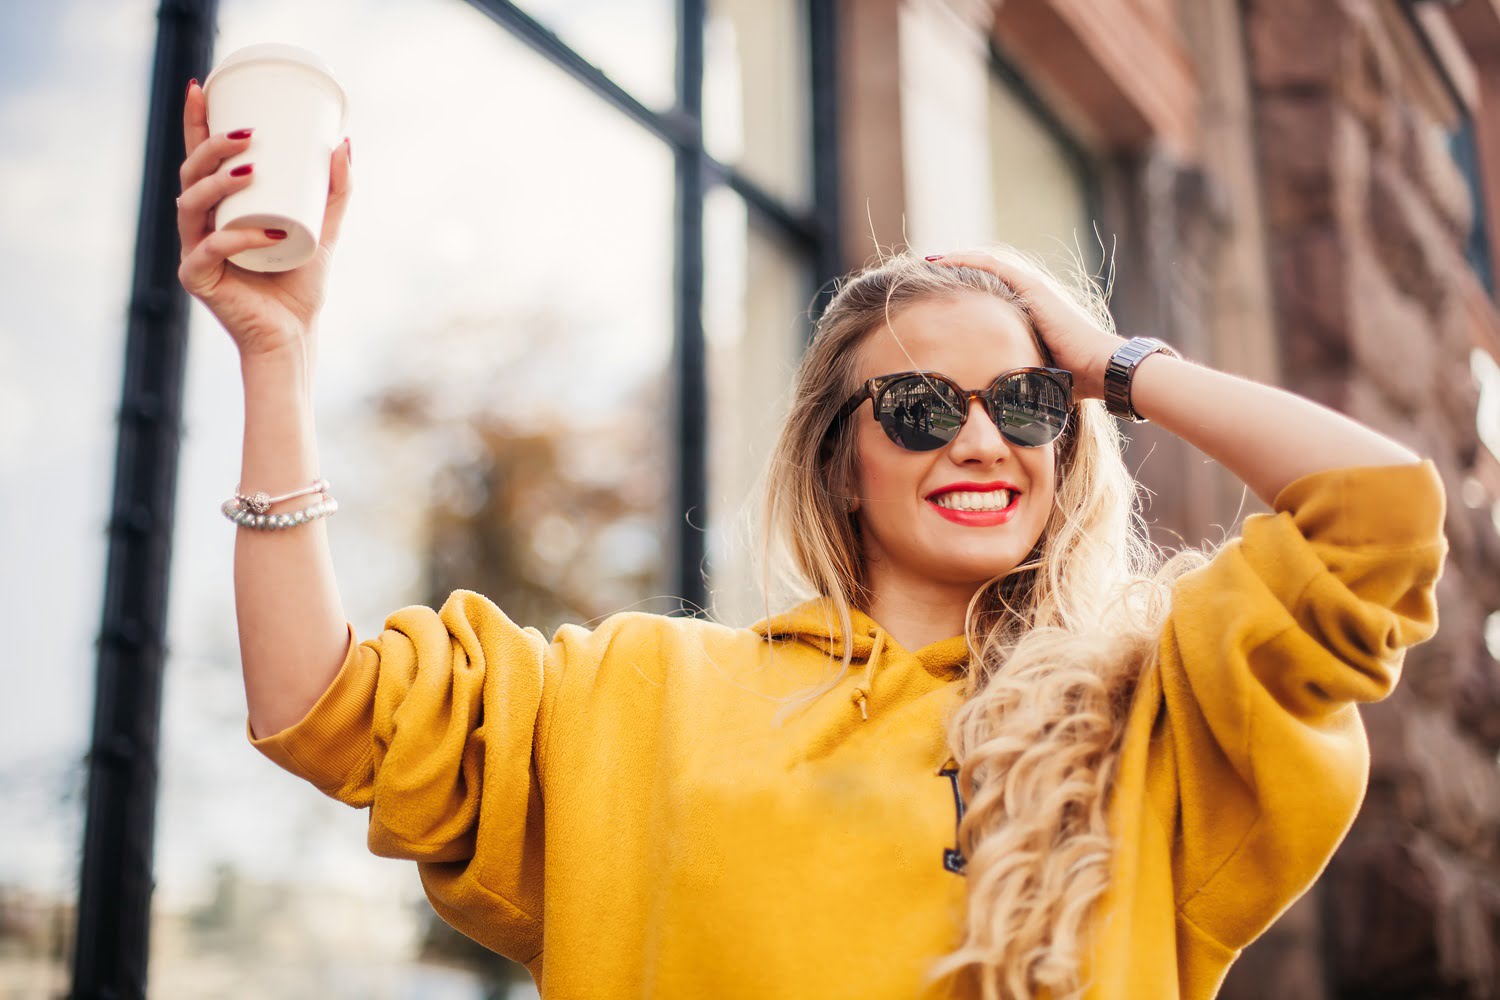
{"x": 1266, "y": 436}
{"x": 293, "y": 632}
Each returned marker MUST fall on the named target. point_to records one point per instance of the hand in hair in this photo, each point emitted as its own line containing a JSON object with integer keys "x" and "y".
{"x": 1074, "y": 339}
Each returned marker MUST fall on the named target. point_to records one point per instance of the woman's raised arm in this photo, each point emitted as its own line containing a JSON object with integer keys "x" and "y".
{"x": 293, "y": 633}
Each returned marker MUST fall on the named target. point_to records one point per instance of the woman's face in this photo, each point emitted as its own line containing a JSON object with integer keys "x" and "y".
{"x": 908, "y": 538}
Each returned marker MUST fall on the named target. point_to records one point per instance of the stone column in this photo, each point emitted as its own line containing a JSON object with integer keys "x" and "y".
{"x": 1375, "y": 304}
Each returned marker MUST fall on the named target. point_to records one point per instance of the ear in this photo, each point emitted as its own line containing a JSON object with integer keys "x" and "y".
{"x": 843, "y": 484}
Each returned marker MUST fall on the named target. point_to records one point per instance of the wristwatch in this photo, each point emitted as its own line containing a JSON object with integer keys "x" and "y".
{"x": 1120, "y": 371}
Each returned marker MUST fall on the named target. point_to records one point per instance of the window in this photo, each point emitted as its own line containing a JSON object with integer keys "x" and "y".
{"x": 1477, "y": 249}
{"x": 553, "y": 276}
{"x": 1043, "y": 182}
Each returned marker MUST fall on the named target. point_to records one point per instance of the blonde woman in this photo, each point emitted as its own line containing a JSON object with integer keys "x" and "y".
{"x": 999, "y": 748}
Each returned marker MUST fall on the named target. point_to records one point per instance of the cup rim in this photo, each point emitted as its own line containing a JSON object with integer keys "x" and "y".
{"x": 282, "y": 52}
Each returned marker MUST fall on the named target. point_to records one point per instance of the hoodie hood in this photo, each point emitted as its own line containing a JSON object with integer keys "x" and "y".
{"x": 816, "y": 623}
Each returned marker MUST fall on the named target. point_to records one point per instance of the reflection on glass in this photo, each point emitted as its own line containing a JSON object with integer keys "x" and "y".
{"x": 757, "y": 91}
{"x": 756, "y": 300}
{"x": 74, "y": 88}
{"x": 489, "y": 410}
{"x": 633, "y": 41}
{"x": 1040, "y": 193}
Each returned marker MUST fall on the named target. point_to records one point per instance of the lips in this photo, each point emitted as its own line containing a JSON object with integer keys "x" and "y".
{"x": 974, "y": 491}
{"x": 968, "y": 487}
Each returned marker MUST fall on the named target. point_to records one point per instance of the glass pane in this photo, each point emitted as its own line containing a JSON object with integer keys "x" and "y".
{"x": 489, "y": 402}
{"x": 757, "y": 93}
{"x": 1040, "y": 191}
{"x": 757, "y": 295}
{"x": 74, "y": 84}
{"x": 633, "y": 41}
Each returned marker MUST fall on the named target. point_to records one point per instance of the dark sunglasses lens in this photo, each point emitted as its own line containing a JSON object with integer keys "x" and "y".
{"x": 1033, "y": 409}
{"x": 920, "y": 414}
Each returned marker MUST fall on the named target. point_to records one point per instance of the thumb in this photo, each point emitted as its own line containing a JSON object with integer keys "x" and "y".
{"x": 340, "y": 186}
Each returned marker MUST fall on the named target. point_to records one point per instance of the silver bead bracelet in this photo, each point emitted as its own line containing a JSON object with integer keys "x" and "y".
{"x": 247, "y": 518}
{"x": 251, "y": 511}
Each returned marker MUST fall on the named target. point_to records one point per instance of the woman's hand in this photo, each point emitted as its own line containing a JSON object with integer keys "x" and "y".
{"x": 262, "y": 312}
{"x": 1075, "y": 340}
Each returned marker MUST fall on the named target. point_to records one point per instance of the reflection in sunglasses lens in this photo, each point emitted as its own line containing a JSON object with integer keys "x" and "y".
{"x": 921, "y": 414}
{"x": 1032, "y": 409}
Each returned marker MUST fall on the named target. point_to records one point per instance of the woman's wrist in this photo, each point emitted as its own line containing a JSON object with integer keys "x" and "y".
{"x": 1089, "y": 383}
{"x": 267, "y": 371}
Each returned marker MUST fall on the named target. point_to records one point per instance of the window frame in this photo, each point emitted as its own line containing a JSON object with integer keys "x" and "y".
{"x": 111, "y": 930}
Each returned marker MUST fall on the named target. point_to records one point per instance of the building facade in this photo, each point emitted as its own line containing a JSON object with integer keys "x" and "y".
{"x": 1293, "y": 191}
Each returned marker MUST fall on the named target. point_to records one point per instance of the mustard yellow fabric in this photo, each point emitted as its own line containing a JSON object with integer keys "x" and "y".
{"x": 614, "y": 809}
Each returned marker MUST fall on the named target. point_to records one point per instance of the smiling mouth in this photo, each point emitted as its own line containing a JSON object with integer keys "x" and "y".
{"x": 977, "y": 516}
{"x": 975, "y": 501}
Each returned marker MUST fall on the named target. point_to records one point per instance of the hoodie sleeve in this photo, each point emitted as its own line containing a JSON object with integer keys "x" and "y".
{"x": 1264, "y": 657}
{"x": 432, "y": 727}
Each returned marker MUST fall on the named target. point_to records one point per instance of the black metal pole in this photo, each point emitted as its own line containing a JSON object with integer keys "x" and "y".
{"x": 690, "y": 389}
{"x": 823, "y": 35}
{"x": 114, "y": 902}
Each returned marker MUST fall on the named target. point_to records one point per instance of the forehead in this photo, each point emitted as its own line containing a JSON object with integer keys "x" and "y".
{"x": 970, "y": 337}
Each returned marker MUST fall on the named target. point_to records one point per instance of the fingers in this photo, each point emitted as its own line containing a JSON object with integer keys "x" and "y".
{"x": 210, "y": 154}
{"x": 201, "y": 269}
{"x": 194, "y": 118}
{"x": 340, "y": 186}
{"x": 204, "y": 194}
{"x": 1016, "y": 275}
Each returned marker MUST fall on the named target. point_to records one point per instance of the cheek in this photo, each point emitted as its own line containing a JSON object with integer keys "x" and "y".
{"x": 878, "y": 471}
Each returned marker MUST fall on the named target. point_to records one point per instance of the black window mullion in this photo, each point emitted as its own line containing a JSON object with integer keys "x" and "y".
{"x": 823, "y": 51}
{"x": 673, "y": 126}
{"x": 689, "y": 406}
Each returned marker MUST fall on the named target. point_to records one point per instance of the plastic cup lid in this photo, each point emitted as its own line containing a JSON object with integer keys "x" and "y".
{"x": 282, "y": 52}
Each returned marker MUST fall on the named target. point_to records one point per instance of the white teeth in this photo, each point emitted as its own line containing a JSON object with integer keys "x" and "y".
{"x": 992, "y": 500}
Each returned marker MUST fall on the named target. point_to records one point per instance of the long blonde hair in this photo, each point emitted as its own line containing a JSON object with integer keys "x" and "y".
{"x": 1057, "y": 643}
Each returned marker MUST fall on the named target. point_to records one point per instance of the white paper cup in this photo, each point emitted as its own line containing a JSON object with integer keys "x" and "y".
{"x": 289, "y": 96}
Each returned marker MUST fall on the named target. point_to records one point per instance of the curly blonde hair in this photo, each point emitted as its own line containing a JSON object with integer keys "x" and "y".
{"x": 1057, "y": 643}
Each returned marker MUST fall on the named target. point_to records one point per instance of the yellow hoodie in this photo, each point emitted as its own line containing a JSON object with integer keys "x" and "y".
{"x": 614, "y": 809}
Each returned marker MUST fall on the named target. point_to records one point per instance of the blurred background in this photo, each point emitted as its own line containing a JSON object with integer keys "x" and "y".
{"x": 587, "y": 243}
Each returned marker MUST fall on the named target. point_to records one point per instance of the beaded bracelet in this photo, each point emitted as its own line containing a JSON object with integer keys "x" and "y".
{"x": 242, "y": 515}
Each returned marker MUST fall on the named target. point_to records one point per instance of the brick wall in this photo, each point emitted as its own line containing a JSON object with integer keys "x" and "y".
{"x": 1377, "y": 312}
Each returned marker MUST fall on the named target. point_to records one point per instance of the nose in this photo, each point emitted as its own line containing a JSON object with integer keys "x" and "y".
{"x": 979, "y": 440}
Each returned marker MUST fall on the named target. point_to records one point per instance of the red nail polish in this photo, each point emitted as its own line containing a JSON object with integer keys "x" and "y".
{"x": 189, "y": 87}
{"x": 276, "y": 234}
{"x": 242, "y": 133}
{"x": 242, "y": 170}
{"x": 936, "y": 256}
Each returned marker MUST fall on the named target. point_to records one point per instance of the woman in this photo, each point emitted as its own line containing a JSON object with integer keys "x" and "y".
{"x": 1001, "y": 748}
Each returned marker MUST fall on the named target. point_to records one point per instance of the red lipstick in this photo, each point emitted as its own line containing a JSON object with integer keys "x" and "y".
{"x": 976, "y": 518}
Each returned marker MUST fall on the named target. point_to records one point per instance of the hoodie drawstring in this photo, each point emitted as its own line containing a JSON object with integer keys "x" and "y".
{"x": 860, "y": 693}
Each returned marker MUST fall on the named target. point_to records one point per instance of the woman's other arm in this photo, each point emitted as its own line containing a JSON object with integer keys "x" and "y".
{"x": 293, "y": 631}
{"x": 1268, "y": 437}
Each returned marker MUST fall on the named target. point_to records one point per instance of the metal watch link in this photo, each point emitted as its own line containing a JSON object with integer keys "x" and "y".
{"x": 1120, "y": 371}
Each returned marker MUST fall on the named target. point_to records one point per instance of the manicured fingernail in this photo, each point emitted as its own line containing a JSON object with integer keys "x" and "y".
{"x": 242, "y": 170}
{"x": 191, "y": 82}
{"x": 243, "y": 133}
{"x": 349, "y": 149}
{"x": 936, "y": 256}
{"x": 276, "y": 234}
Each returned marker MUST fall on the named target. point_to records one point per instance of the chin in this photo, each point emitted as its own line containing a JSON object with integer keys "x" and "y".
{"x": 978, "y": 573}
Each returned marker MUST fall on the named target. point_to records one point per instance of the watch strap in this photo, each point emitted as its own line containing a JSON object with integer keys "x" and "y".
{"x": 1119, "y": 373}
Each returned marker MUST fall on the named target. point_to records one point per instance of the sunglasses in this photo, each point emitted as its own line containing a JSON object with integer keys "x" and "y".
{"x": 923, "y": 410}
